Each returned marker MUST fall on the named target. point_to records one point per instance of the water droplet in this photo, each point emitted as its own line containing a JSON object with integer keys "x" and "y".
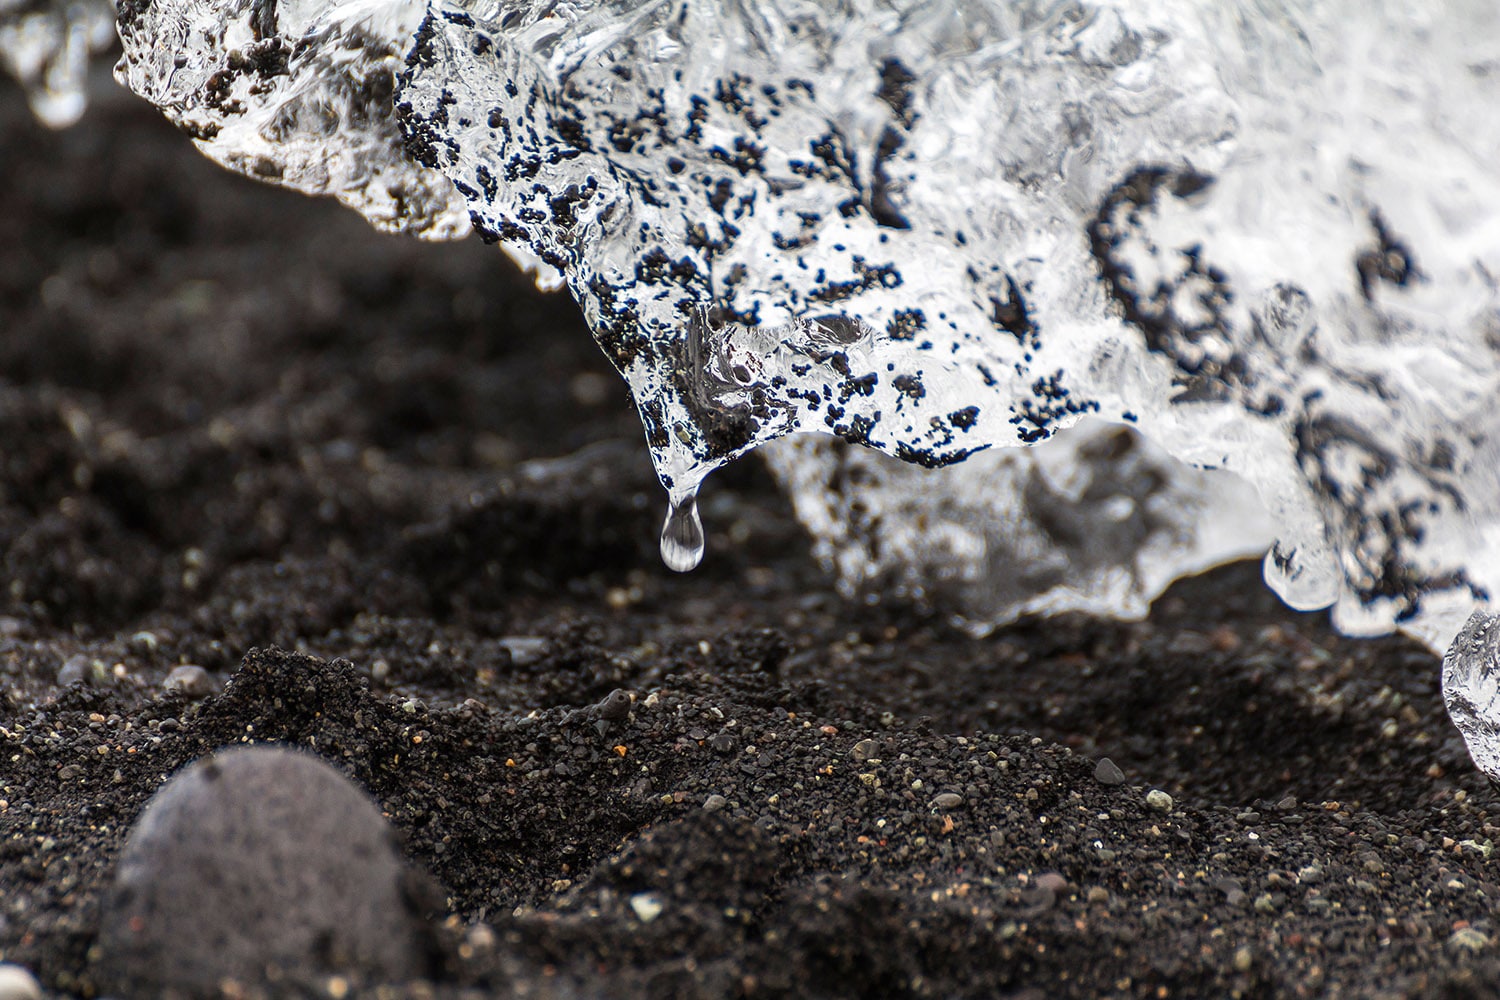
{"x": 682, "y": 536}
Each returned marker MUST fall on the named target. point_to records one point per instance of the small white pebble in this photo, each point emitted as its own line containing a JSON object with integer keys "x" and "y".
{"x": 647, "y": 906}
{"x": 1159, "y": 800}
{"x": 18, "y": 984}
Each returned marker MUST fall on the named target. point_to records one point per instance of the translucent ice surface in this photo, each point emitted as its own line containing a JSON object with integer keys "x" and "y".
{"x": 297, "y": 92}
{"x": 1471, "y": 689}
{"x": 1263, "y": 234}
{"x": 46, "y": 44}
{"x": 1095, "y": 519}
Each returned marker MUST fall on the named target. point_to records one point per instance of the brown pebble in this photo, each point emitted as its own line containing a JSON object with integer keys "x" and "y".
{"x": 1051, "y": 881}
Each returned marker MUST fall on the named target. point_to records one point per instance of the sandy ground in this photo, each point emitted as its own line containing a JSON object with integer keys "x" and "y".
{"x": 398, "y": 508}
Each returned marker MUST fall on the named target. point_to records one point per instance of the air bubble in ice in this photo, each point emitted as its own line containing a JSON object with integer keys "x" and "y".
{"x": 682, "y": 536}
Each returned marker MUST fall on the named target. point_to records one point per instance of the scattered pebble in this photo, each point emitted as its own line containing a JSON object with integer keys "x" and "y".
{"x": 1051, "y": 881}
{"x": 18, "y": 984}
{"x": 190, "y": 681}
{"x": 1468, "y": 939}
{"x": 714, "y": 803}
{"x": 256, "y": 857}
{"x": 647, "y": 906}
{"x": 615, "y": 706}
{"x": 526, "y": 649}
{"x": 865, "y": 750}
{"x": 75, "y": 669}
{"x": 1107, "y": 772}
{"x": 1098, "y": 894}
{"x": 946, "y": 800}
{"x": 1159, "y": 800}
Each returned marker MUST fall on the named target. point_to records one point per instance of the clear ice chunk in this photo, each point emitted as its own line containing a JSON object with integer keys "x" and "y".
{"x": 1264, "y": 234}
{"x": 295, "y": 92}
{"x": 46, "y": 44}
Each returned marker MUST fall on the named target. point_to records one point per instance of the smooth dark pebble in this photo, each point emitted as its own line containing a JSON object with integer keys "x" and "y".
{"x": 865, "y": 750}
{"x": 947, "y": 800}
{"x": 257, "y": 860}
{"x": 1107, "y": 772}
{"x": 615, "y": 706}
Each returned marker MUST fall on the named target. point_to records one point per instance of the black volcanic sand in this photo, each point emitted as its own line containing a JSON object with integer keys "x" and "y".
{"x": 238, "y": 429}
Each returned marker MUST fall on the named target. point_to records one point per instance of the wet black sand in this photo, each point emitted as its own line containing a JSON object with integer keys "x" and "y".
{"x": 240, "y": 430}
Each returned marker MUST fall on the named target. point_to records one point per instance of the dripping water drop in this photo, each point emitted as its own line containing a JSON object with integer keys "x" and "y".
{"x": 682, "y": 536}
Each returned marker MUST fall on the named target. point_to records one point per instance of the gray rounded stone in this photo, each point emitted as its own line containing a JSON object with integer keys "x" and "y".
{"x": 255, "y": 864}
{"x": 1107, "y": 772}
{"x": 189, "y": 680}
{"x": 75, "y": 670}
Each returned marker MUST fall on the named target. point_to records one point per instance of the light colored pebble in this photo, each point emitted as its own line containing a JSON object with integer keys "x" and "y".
{"x": 18, "y": 984}
{"x": 74, "y": 669}
{"x": 525, "y": 649}
{"x": 1468, "y": 939}
{"x": 647, "y": 906}
{"x": 1159, "y": 800}
{"x": 189, "y": 680}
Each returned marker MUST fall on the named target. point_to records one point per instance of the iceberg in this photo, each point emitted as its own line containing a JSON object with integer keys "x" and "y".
{"x": 1253, "y": 245}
